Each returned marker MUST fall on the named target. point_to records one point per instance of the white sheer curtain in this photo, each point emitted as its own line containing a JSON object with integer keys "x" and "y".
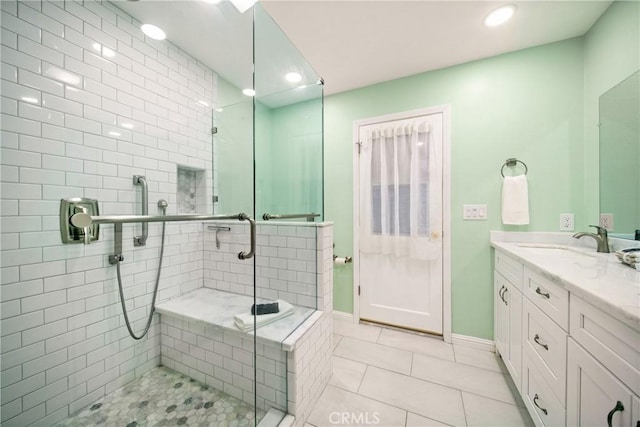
{"x": 401, "y": 191}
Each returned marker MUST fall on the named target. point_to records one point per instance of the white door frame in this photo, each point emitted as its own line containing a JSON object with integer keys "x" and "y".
{"x": 445, "y": 110}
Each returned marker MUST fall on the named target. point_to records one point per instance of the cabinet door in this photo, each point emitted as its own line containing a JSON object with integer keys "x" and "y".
{"x": 513, "y": 297}
{"x": 594, "y": 395}
{"x": 501, "y": 319}
{"x": 635, "y": 412}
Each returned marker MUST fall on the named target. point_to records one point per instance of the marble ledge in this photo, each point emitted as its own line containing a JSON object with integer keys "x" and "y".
{"x": 214, "y": 307}
{"x": 599, "y": 279}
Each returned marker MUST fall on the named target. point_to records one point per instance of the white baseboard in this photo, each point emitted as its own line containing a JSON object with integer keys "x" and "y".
{"x": 469, "y": 341}
{"x": 342, "y": 315}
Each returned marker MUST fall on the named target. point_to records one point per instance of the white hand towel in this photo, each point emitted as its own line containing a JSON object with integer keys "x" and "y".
{"x": 244, "y": 321}
{"x": 515, "y": 200}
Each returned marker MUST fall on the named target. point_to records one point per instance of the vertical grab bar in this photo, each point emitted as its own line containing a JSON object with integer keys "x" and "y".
{"x": 252, "y": 227}
{"x": 142, "y": 239}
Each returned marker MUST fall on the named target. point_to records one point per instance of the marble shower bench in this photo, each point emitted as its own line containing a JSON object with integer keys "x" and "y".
{"x": 293, "y": 354}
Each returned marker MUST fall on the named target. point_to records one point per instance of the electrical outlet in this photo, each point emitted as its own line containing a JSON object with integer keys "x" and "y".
{"x": 474, "y": 212}
{"x": 566, "y": 222}
{"x": 606, "y": 221}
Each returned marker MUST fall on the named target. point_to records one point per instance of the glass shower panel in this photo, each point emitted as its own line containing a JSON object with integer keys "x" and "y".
{"x": 233, "y": 158}
{"x": 288, "y": 126}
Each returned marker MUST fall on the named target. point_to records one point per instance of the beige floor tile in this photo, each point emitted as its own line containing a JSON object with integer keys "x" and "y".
{"x": 343, "y": 408}
{"x": 375, "y": 355}
{"x": 417, "y": 343}
{"x": 420, "y": 397}
{"x": 415, "y": 420}
{"x": 464, "y": 377}
{"x": 481, "y": 411}
{"x": 347, "y": 374}
{"x": 481, "y": 359}
{"x": 347, "y": 328}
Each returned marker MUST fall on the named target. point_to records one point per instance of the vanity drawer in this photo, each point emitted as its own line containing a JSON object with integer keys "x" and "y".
{"x": 544, "y": 408}
{"x": 546, "y": 345}
{"x": 549, "y": 297}
{"x": 613, "y": 343}
{"x": 510, "y": 268}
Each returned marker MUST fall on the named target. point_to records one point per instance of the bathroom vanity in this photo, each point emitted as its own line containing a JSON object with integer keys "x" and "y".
{"x": 567, "y": 326}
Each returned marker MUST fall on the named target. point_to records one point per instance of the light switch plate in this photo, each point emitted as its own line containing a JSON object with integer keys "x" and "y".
{"x": 474, "y": 212}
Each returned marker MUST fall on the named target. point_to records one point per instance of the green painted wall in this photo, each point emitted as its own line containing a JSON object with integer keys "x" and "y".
{"x": 611, "y": 54}
{"x": 527, "y": 104}
{"x": 539, "y": 104}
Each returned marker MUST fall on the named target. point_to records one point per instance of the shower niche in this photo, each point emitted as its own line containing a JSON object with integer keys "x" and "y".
{"x": 191, "y": 190}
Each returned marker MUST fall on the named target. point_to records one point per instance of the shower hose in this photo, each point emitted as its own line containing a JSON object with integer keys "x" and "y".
{"x": 155, "y": 291}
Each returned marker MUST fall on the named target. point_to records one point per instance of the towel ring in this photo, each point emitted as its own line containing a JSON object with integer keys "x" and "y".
{"x": 511, "y": 163}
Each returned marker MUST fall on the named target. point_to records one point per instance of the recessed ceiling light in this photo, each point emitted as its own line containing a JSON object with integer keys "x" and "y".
{"x": 500, "y": 16}
{"x": 249, "y": 92}
{"x": 293, "y": 77}
{"x": 153, "y": 32}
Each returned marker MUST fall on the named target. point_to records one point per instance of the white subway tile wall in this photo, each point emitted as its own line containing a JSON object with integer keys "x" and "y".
{"x": 290, "y": 375}
{"x": 286, "y": 261}
{"x": 224, "y": 360}
{"x": 88, "y": 101}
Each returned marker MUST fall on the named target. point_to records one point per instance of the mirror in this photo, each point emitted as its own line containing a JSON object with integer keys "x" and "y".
{"x": 620, "y": 157}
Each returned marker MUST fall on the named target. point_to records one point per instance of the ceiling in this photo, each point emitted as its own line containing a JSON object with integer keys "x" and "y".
{"x": 358, "y": 43}
{"x": 353, "y": 44}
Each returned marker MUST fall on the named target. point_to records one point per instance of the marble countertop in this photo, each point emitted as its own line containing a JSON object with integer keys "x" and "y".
{"x": 218, "y": 308}
{"x": 599, "y": 279}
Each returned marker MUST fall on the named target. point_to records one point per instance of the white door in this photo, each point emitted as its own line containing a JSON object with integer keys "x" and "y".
{"x": 400, "y": 216}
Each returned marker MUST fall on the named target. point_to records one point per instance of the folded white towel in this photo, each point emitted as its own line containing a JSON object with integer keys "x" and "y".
{"x": 515, "y": 200}
{"x": 244, "y": 321}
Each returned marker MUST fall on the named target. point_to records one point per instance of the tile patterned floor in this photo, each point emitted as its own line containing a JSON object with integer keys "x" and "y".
{"x": 386, "y": 378}
{"x": 381, "y": 377}
{"x": 163, "y": 397}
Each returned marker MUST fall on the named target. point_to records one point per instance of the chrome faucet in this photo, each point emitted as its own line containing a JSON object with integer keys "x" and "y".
{"x": 601, "y": 238}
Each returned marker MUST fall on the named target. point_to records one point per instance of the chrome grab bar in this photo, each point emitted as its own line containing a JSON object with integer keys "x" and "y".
{"x": 83, "y": 220}
{"x": 142, "y": 239}
{"x": 309, "y": 216}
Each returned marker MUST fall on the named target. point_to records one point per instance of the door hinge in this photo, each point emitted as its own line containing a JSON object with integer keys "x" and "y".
{"x": 359, "y": 144}
{"x": 358, "y": 290}
{"x": 214, "y": 130}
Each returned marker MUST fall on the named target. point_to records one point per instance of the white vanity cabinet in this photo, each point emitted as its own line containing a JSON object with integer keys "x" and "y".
{"x": 595, "y": 396}
{"x": 603, "y": 369}
{"x": 545, "y": 328}
{"x": 508, "y": 314}
{"x": 574, "y": 359}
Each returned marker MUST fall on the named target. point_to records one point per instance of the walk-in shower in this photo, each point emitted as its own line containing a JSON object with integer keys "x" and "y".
{"x": 132, "y": 172}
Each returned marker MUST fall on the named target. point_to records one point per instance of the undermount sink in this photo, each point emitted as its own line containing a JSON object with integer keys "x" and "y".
{"x": 549, "y": 248}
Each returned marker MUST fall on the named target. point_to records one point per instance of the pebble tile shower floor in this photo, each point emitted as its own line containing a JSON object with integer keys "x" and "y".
{"x": 163, "y": 397}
